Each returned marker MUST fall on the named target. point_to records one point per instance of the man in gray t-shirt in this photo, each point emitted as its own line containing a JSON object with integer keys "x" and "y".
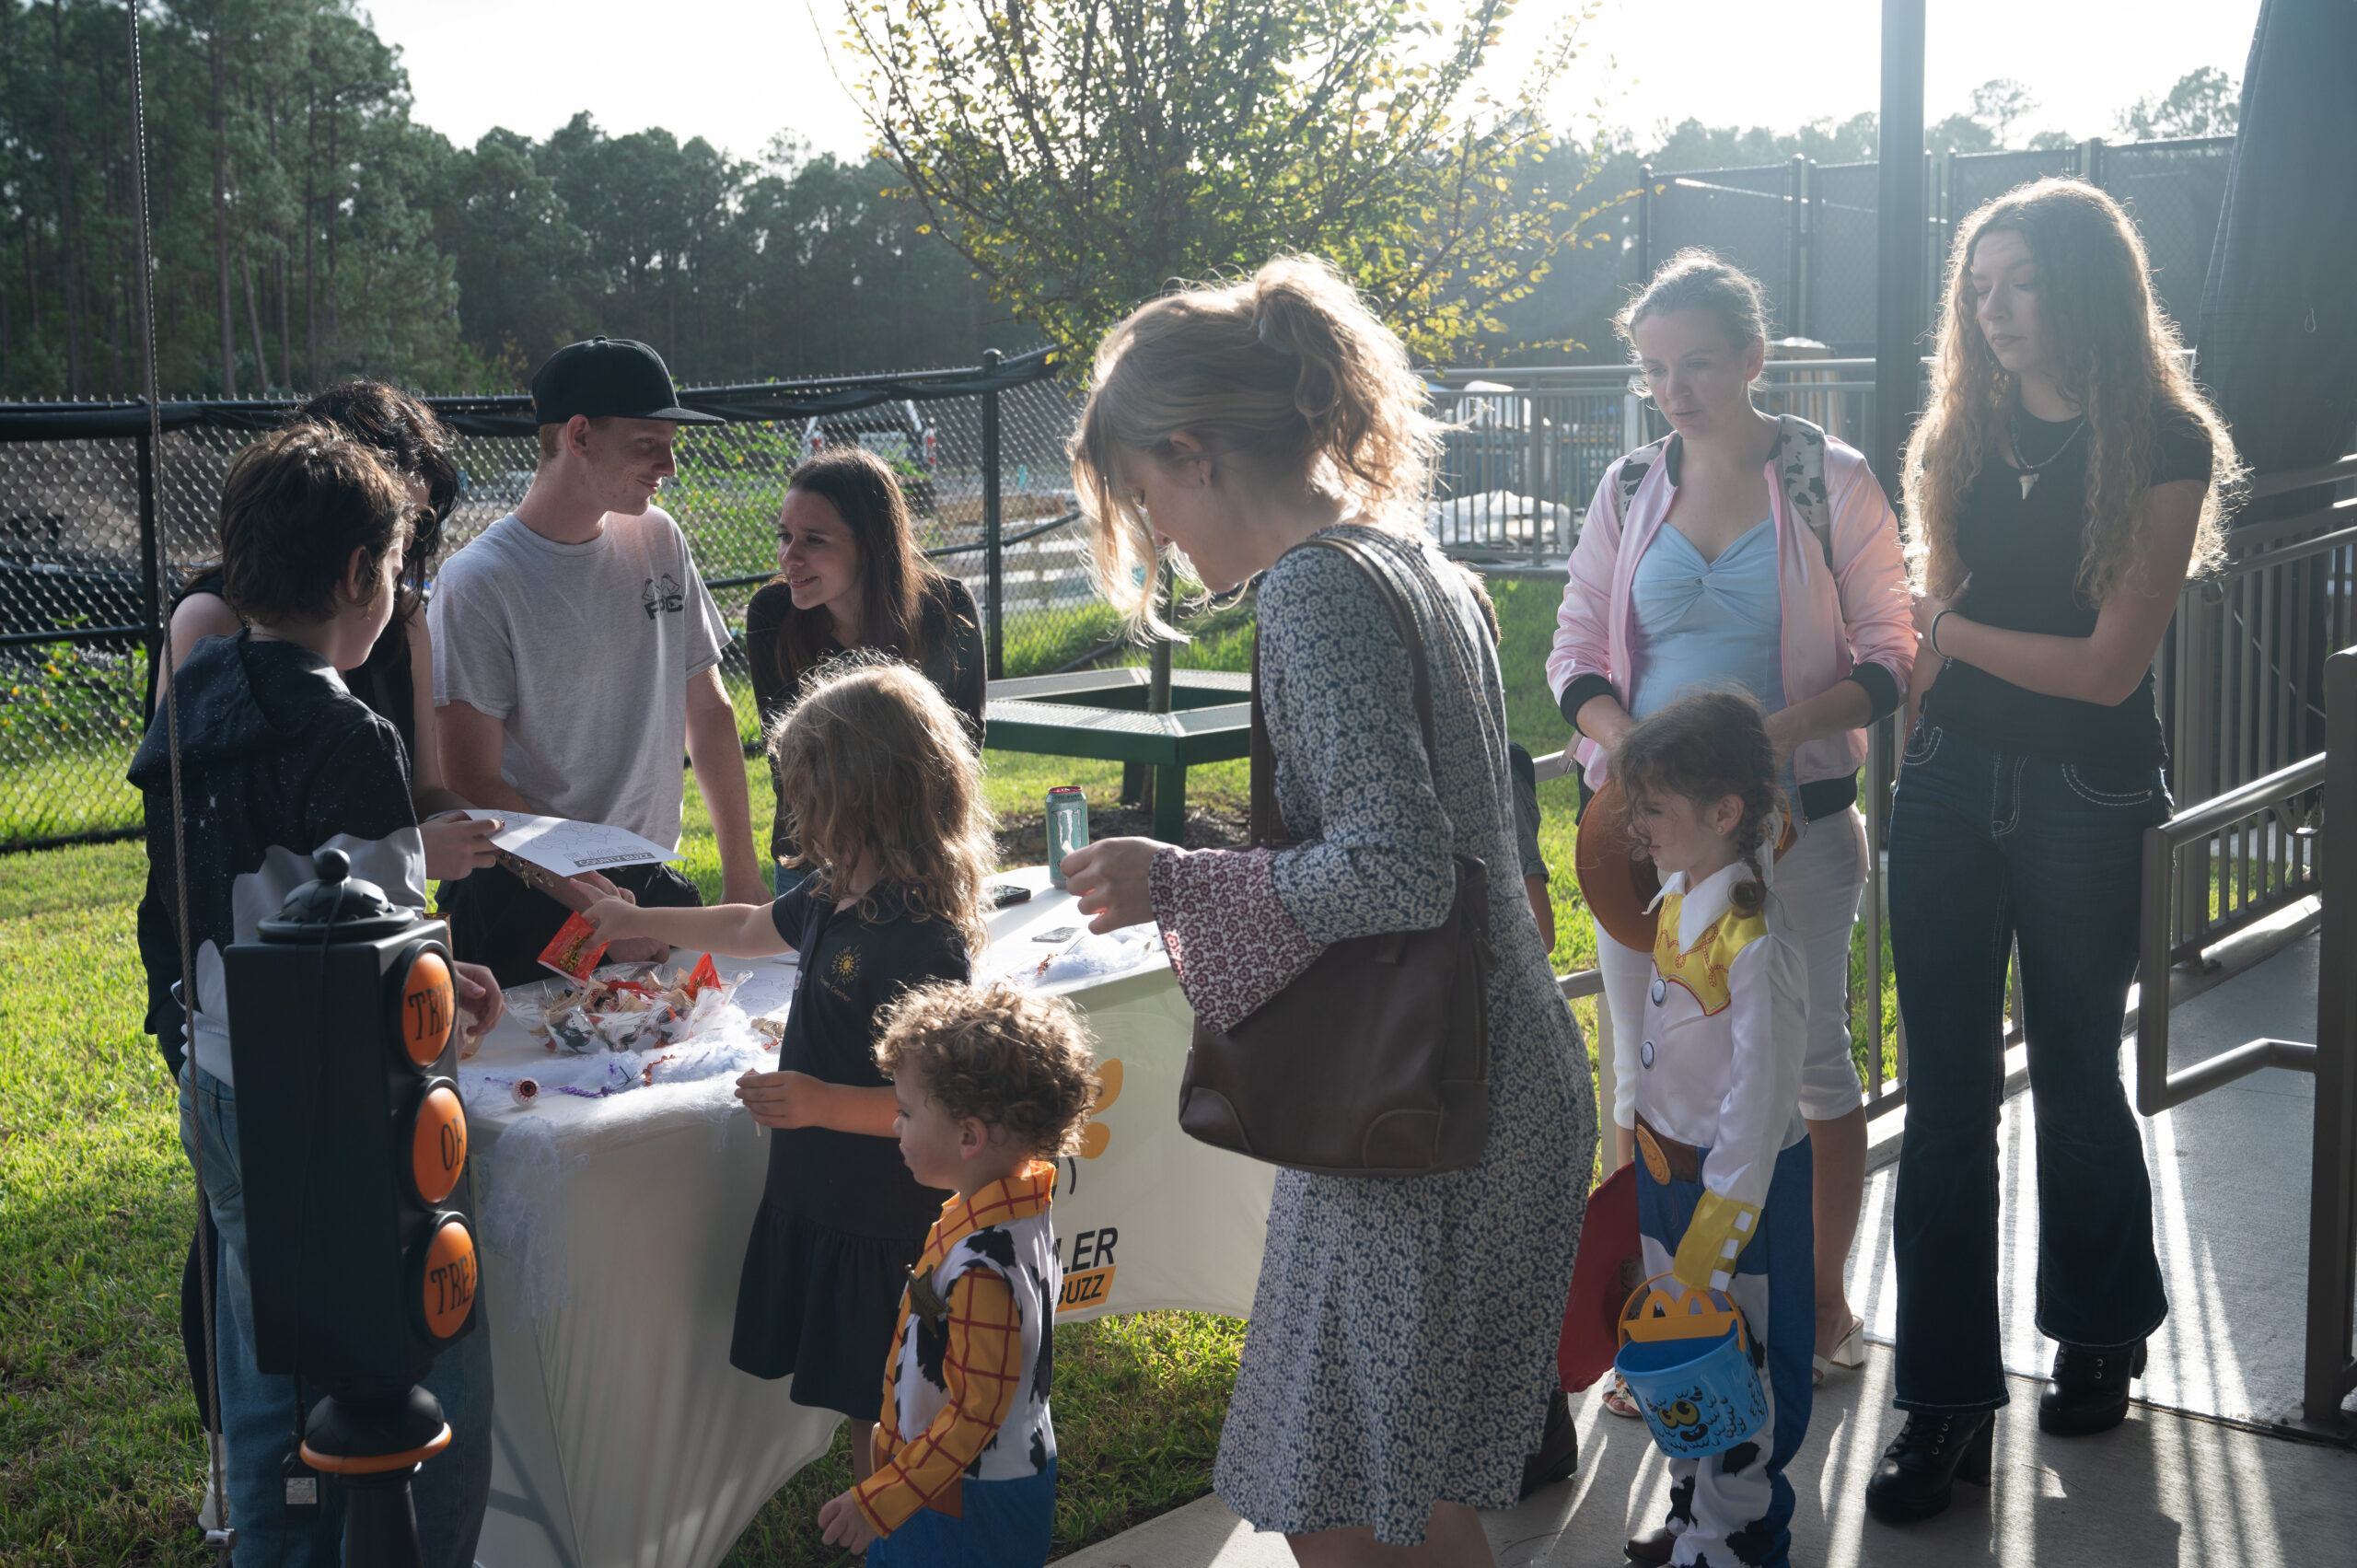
{"x": 576, "y": 650}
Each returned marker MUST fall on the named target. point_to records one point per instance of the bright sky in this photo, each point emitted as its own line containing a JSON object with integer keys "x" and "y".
{"x": 735, "y": 72}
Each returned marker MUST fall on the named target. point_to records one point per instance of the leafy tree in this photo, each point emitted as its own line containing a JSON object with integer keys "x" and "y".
{"x": 1690, "y": 144}
{"x": 1082, "y": 154}
{"x": 2205, "y": 102}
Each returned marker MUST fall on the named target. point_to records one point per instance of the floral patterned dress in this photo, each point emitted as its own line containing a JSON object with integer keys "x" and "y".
{"x": 1403, "y": 1334}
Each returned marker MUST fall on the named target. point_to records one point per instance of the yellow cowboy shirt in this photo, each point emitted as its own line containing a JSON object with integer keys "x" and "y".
{"x": 1718, "y": 1063}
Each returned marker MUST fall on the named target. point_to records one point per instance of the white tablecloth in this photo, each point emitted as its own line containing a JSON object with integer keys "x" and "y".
{"x": 622, "y": 1436}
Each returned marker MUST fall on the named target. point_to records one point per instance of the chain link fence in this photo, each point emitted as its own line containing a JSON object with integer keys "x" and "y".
{"x": 1806, "y": 230}
{"x": 98, "y": 532}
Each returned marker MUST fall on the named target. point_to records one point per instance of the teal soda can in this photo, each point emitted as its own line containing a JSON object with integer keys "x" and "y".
{"x": 1067, "y": 828}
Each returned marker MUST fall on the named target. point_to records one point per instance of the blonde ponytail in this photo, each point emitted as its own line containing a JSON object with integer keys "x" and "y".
{"x": 1285, "y": 378}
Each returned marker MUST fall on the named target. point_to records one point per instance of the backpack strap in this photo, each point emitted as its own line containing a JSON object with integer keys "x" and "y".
{"x": 1799, "y": 456}
{"x": 1633, "y": 469}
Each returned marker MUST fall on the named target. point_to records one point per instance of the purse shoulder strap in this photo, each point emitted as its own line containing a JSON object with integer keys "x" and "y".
{"x": 1267, "y": 825}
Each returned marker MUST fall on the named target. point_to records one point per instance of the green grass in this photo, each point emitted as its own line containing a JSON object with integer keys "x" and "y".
{"x": 99, "y": 1453}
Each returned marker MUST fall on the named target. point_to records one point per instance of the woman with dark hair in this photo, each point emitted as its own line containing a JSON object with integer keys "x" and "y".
{"x": 2064, "y": 482}
{"x": 850, "y": 575}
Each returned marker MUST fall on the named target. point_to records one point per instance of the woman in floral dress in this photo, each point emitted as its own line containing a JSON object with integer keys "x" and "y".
{"x": 1402, "y": 1352}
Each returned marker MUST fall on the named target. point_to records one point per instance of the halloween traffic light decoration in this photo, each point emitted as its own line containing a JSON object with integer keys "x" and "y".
{"x": 353, "y": 1145}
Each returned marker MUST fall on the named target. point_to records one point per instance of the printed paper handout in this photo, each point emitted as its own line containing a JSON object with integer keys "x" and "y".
{"x": 570, "y": 848}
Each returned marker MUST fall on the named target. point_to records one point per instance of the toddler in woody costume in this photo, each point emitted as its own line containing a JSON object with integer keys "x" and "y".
{"x": 992, "y": 1082}
{"x": 1723, "y": 1194}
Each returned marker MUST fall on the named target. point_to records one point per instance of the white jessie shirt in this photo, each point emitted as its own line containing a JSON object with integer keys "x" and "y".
{"x": 583, "y": 652}
{"x": 1718, "y": 1063}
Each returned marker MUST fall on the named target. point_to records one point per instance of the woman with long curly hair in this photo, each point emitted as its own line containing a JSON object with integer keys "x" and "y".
{"x": 2063, "y": 484}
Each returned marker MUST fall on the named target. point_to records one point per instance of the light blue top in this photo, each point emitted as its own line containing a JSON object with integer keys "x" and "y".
{"x": 1702, "y": 625}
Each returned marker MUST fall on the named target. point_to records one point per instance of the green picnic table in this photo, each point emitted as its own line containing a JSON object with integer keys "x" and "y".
{"x": 1101, "y": 713}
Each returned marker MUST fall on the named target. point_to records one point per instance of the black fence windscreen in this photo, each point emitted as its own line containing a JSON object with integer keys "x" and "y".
{"x": 1807, "y": 231}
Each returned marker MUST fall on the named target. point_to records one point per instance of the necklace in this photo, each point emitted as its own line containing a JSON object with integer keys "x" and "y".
{"x": 2027, "y": 471}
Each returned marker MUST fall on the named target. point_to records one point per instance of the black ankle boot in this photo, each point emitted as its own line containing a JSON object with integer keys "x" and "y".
{"x": 1921, "y": 1465}
{"x": 1558, "y": 1447}
{"x": 2089, "y": 1393}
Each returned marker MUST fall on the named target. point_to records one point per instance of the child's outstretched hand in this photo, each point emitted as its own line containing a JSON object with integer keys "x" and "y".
{"x": 480, "y": 995}
{"x": 615, "y": 918}
{"x": 844, "y": 1524}
{"x": 783, "y": 1100}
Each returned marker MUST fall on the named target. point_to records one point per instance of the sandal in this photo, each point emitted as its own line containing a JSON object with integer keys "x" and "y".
{"x": 1850, "y": 1351}
{"x": 1621, "y": 1403}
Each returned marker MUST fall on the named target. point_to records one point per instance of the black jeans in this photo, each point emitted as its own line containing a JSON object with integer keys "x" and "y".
{"x": 497, "y": 922}
{"x": 1986, "y": 848}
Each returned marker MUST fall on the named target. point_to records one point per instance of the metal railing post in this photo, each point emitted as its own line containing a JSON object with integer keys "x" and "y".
{"x": 1644, "y": 223}
{"x": 994, "y": 560}
{"x": 2332, "y": 1213}
{"x": 151, "y": 573}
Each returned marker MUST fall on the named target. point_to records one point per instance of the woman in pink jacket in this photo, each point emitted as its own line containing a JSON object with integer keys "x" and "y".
{"x": 1745, "y": 551}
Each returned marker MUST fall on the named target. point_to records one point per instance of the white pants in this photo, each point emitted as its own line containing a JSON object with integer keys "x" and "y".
{"x": 1818, "y": 882}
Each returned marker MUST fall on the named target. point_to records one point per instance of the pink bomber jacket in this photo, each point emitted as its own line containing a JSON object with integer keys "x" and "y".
{"x": 1856, "y": 619}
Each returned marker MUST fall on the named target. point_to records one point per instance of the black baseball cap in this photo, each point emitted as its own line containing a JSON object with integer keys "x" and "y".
{"x": 617, "y": 378}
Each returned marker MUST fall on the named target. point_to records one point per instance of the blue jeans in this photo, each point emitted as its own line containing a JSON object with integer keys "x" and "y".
{"x": 1737, "y": 1506}
{"x": 1007, "y": 1524}
{"x": 258, "y": 1409}
{"x": 1986, "y": 849}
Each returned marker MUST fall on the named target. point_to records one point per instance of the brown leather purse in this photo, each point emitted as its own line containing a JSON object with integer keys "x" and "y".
{"x": 1374, "y": 1061}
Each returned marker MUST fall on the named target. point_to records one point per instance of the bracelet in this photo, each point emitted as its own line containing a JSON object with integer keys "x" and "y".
{"x": 1935, "y": 637}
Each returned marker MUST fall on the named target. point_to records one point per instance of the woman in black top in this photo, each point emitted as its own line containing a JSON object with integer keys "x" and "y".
{"x": 2061, "y": 485}
{"x": 850, "y": 575}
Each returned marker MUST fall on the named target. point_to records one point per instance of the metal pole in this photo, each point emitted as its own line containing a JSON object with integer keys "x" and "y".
{"x": 1644, "y": 223}
{"x": 2332, "y": 1200}
{"x": 151, "y": 573}
{"x": 994, "y": 565}
{"x": 1899, "y": 241}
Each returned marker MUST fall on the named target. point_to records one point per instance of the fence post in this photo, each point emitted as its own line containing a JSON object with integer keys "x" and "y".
{"x": 1899, "y": 229}
{"x": 993, "y": 567}
{"x": 151, "y": 572}
{"x": 2088, "y": 158}
{"x": 1795, "y": 248}
{"x": 1644, "y": 223}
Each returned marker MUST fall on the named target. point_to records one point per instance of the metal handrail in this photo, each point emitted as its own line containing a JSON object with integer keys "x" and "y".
{"x": 2158, "y": 1089}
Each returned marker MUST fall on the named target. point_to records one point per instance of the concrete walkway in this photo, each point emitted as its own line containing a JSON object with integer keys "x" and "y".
{"x": 2190, "y": 1479}
{"x": 2163, "y": 1489}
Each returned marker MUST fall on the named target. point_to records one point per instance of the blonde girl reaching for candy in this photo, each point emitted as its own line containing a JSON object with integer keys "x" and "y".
{"x": 1724, "y": 1179}
{"x": 884, "y": 790}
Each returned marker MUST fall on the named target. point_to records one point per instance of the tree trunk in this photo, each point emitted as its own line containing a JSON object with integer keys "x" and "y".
{"x": 221, "y": 213}
{"x": 285, "y": 332}
{"x": 253, "y": 316}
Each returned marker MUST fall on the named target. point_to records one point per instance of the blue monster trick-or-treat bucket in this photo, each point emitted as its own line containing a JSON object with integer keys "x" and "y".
{"x": 1687, "y": 1359}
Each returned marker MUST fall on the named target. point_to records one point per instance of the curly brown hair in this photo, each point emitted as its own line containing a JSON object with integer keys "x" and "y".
{"x": 2119, "y": 359}
{"x": 1007, "y": 1058}
{"x": 1704, "y": 747}
{"x": 874, "y": 763}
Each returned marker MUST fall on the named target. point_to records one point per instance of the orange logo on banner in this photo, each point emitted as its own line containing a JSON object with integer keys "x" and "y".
{"x": 1096, "y": 1136}
{"x": 1085, "y": 1290}
{"x": 425, "y": 1009}
{"x": 437, "y": 1150}
{"x": 449, "y": 1279}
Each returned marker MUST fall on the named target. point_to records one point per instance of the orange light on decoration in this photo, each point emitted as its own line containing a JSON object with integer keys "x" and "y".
{"x": 427, "y": 1003}
{"x": 437, "y": 1142}
{"x": 445, "y": 1282}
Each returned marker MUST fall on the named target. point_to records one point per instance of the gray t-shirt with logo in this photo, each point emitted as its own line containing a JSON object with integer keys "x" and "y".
{"x": 584, "y": 653}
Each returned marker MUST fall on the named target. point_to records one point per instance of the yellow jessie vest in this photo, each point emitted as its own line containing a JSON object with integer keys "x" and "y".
{"x": 1702, "y": 969}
